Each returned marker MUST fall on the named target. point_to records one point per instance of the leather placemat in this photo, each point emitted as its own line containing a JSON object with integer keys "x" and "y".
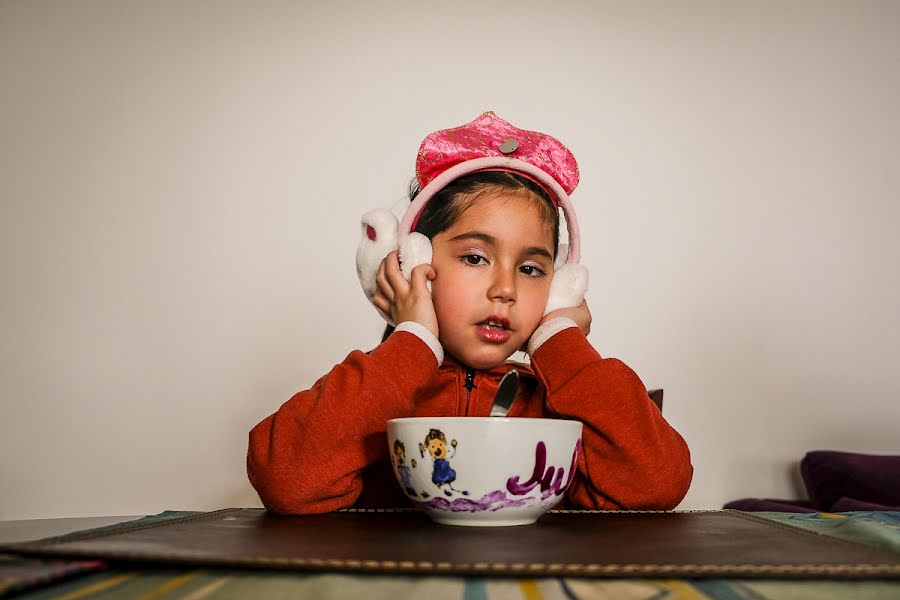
{"x": 571, "y": 543}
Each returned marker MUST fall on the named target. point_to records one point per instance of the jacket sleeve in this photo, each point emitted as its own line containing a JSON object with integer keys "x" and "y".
{"x": 632, "y": 458}
{"x": 308, "y": 456}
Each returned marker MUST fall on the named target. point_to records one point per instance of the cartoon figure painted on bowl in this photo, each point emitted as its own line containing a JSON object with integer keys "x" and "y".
{"x": 402, "y": 469}
{"x": 493, "y": 471}
{"x": 441, "y": 473}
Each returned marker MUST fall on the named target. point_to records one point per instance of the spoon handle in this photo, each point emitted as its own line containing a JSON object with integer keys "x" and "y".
{"x": 506, "y": 393}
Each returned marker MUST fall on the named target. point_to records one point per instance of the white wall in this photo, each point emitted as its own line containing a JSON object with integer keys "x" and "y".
{"x": 180, "y": 186}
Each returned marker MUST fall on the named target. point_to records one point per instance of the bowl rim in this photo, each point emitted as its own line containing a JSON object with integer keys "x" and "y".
{"x": 523, "y": 420}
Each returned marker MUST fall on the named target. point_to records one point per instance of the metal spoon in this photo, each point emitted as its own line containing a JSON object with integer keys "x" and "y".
{"x": 506, "y": 393}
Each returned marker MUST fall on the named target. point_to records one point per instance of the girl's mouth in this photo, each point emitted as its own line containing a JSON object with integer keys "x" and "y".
{"x": 494, "y": 330}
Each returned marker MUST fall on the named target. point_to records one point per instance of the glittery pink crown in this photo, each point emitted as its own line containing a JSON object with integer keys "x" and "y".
{"x": 491, "y": 144}
{"x": 491, "y": 136}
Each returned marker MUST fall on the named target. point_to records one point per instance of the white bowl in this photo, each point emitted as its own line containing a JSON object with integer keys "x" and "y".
{"x": 484, "y": 470}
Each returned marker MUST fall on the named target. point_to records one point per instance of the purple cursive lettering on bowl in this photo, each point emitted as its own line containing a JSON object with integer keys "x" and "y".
{"x": 544, "y": 475}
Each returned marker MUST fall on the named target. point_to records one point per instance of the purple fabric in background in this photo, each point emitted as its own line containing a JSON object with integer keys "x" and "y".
{"x": 851, "y": 504}
{"x": 838, "y": 482}
{"x": 771, "y": 505}
{"x": 831, "y": 476}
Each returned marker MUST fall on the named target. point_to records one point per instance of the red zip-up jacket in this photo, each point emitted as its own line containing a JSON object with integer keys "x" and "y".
{"x": 326, "y": 448}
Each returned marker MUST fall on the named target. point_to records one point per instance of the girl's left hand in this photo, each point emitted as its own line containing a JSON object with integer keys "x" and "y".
{"x": 581, "y": 314}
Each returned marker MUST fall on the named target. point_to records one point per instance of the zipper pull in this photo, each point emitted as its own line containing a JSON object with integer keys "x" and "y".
{"x": 469, "y": 385}
{"x": 470, "y": 379}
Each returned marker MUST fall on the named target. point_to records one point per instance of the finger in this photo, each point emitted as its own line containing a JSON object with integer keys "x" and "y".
{"x": 381, "y": 284}
{"x": 380, "y": 271}
{"x": 587, "y": 310}
{"x": 392, "y": 273}
{"x": 588, "y": 317}
{"x": 382, "y": 303}
{"x": 420, "y": 275}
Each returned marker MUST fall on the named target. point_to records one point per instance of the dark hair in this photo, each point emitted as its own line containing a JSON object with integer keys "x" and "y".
{"x": 446, "y": 206}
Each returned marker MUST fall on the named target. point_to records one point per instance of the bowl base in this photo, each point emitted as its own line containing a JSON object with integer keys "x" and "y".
{"x": 469, "y": 522}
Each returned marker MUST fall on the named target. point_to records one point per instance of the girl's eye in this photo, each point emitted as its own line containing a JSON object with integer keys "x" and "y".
{"x": 474, "y": 259}
{"x": 532, "y": 271}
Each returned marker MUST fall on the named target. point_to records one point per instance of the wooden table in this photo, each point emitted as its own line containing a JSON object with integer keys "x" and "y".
{"x": 35, "y": 529}
{"x": 217, "y": 584}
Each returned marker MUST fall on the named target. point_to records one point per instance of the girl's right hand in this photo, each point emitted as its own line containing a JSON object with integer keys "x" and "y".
{"x": 405, "y": 300}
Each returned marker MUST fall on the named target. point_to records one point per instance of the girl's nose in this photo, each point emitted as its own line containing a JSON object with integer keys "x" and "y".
{"x": 503, "y": 287}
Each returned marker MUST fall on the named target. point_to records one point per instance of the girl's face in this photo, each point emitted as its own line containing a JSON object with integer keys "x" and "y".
{"x": 493, "y": 269}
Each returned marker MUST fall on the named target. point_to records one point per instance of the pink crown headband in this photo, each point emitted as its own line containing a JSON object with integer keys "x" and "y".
{"x": 491, "y": 144}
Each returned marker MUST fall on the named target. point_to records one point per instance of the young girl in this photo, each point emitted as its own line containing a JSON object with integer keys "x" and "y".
{"x": 487, "y": 197}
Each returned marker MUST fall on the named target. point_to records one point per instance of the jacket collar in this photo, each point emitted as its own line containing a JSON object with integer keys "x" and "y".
{"x": 451, "y": 363}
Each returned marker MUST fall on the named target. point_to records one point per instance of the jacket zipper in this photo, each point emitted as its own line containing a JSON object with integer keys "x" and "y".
{"x": 470, "y": 384}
